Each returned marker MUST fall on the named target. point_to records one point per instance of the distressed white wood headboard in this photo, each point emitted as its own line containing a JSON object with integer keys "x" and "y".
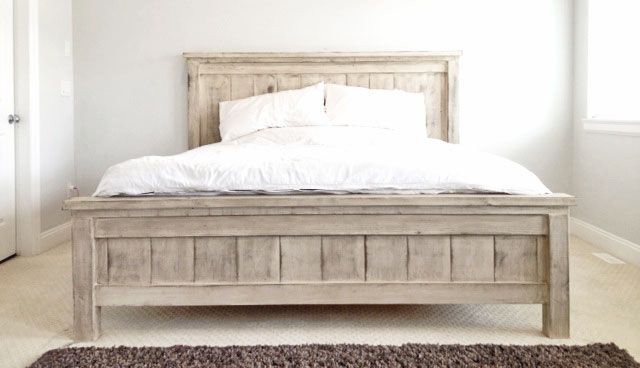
{"x": 215, "y": 77}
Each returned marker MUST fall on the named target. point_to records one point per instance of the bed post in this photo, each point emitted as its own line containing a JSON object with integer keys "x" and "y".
{"x": 555, "y": 313}
{"x": 86, "y": 315}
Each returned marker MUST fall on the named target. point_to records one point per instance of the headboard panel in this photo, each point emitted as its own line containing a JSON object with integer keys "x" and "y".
{"x": 224, "y": 76}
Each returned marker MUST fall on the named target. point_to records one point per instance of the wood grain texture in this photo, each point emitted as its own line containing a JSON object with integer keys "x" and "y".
{"x": 472, "y": 258}
{"x": 130, "y": 261}
{"x": 343, "y": 258}
{"x": 555, "y": 313}
{"x": 301, "y": 258}
{"x": 86, "y": 313}
{"x": 386, "y": 258}
{"x": 220, "y": 77}
{"x": 172, "y": 260}
{"x": 516, "y": 258}
{"x": 216, "y": 260}
{"x": 258, "y": 259}
{"x": 429, "y": 258}
{"x": 321, "y": 224}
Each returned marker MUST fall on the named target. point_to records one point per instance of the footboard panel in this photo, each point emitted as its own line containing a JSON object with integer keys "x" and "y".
{"x": 315, "y": 259}
{"x": 326, "y": 250}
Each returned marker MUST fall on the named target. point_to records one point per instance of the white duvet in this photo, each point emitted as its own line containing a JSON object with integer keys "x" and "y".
{"x": 321, "y": 159}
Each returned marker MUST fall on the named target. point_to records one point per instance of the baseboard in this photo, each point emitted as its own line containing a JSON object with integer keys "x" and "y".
{"x": 617, "y": 246}
{"x": 55, "y": 236}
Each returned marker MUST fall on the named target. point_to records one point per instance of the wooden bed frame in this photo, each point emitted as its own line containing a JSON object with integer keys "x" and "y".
{"x": 320, "y": 249}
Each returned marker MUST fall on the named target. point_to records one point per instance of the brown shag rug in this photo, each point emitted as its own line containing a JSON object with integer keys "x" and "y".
{"x": 409, "y": 355}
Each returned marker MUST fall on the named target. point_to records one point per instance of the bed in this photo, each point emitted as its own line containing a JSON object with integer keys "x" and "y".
{"x": 320, "y": 248}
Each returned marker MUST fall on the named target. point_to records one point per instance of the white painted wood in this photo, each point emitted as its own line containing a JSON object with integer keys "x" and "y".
{"x": 86, "y": 313}
{"x": 7, "y": 135}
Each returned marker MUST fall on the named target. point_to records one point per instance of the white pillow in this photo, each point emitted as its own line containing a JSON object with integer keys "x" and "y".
{"x": 299, "y": 107}
{"x": 379, "y": 108}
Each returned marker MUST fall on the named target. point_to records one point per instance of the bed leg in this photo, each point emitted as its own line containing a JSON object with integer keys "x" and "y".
{"x": 86, "y": 315}
{"x": 555, "y": 313}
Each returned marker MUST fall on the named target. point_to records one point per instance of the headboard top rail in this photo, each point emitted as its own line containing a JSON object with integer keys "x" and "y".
{"x": 216, "y": 77}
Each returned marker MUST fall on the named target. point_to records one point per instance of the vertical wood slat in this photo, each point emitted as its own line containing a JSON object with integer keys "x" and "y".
{"x": 258, "y": 258}
{"x": 386, "y": 258}
{"x": 555, "y": 313}
{"x": 216, "y": 260}
{"x": 343, "y": 258}
{"x": 516, "y": 258}
{"x": 543, "y": 258}
{"x": 429, "y": 258}
{"x": 172, "y": 260}
{"x": 433, "y": 85}
{"x": 310, "y": 79}
{"x": 472, "y": 258}
{"x": 358, "y": 80}
{"x": 265, "y": 83}
{"x": 193, "y": 112}
{"x": 381, "y": 81}
{"x": 241, "y": 86}
{"x": 102, "y": 261}
{"x": 287, "y": 82}
{"x": 452, "y": 101}
{"x": 129, "y": 261}
{"x": 212, "y": 89}
{"x": 86, "y": 316}
{"x": 300, "y": 258}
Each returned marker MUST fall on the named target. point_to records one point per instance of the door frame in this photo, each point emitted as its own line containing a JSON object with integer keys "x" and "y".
{"x": 27, "y": 136}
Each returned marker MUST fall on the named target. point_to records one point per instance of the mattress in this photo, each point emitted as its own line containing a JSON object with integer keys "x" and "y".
{"x": 321, "y": 160}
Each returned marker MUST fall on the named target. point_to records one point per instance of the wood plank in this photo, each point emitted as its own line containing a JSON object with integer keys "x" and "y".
{"x": 381, "y": 81}
{"x": 264, "y": 84}
{"x": 287, "y": 82}
{"x": 433, "y": 86}
{"x": 216, "y": 260}
{"x": 211, "y": 91}
{"x": 543, "y": 258}
{"x": 429, "y": 258}
{"x": 358, "y": 80}
{"x": 193, "y": 111}
{"x": 172, "y": 260}
{"x": 319, "y": 68}
{"x": 258, "y": 259}
{"x": 343, "y": 258}
{"x": 336, "y": 293}
{"x": 555, "y": 313}
{"x": 321, "y": 225}
{"x": 300, "y": 258}
{"x": 130, "y": 261}
{"x": 452, "y": 102}
{"x": 362, "y": 200}
{"x": 310, "y": 79}
{"x": 241, "y": 86}
{"x": 102, "y": 261}
{"x": 407, "y": 82}
{"x": 386, "y": 258}
{"x": 86, "y": 313}
{"x": 472, "y": 258}
{"x": 516, "y": 258}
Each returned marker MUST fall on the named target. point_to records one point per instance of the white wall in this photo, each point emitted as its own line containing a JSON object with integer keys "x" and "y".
{"x": 56, "y": 111}
{"x": 131, "y": 79}
{"x": 606, "y": 169}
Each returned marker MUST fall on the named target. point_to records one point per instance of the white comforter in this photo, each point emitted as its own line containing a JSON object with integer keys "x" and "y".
{"x": 324, "y": 159}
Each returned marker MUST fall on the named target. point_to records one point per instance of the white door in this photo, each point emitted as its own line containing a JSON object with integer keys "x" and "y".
{"x": 7, "y": 139}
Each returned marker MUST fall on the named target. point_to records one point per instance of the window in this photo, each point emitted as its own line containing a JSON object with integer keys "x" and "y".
{"x": 614, "y": 60}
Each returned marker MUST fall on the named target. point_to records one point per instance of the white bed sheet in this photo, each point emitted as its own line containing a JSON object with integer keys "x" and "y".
{"x": 321, "y": 159}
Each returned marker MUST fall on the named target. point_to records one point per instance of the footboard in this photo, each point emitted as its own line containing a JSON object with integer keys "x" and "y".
{"x": 320, "y": 250}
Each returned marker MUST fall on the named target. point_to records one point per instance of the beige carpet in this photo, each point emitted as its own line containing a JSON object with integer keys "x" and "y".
{"x": 35, "y": 315}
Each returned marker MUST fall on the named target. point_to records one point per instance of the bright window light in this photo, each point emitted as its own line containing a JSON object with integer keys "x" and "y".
{"x": 614, "y": 59}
